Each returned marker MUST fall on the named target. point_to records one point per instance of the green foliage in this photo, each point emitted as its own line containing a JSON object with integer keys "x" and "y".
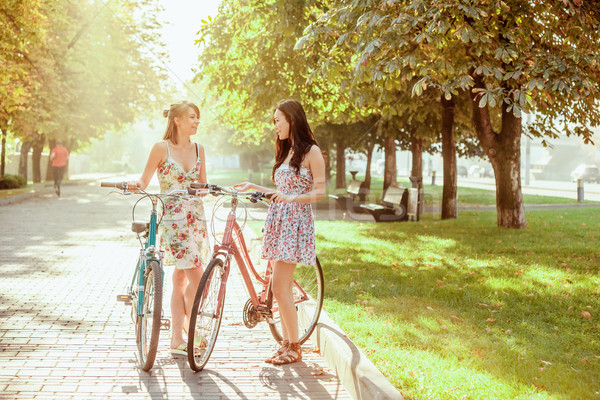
{"x": 83, "y": 70}
{"x": 12, "y": 182}
{"x": 22, "y": 27}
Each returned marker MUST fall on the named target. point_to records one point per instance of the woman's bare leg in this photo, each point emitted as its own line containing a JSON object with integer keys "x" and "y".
{"x": 283, "y": 274}
{"x": 193, "y": 276}
{"x": 178, "y": 307}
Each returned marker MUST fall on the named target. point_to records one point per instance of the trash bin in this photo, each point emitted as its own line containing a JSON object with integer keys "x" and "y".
{"x": 416, "y": 195}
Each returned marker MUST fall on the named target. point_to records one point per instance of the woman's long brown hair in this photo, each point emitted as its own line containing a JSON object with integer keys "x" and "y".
{"x": 301, "y": 138}
{"x": 175, "y": 111}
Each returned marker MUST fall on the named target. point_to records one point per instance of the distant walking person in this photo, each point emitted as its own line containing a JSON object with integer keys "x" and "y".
{"x": 289, "y": 233}
{"x": 59, "y": 156}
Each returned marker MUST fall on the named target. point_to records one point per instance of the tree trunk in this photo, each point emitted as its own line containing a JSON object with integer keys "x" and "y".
{"x": 416, "y": 148}
{"x": 325, "y": 151}
{"x": 24, "y": 158}
{"x": 3, "y": 155}
{"x": 449, "y": 206}
{"x": 51, "y": 144}
{"x": 340, "y": 163}
{"x": 370, "y": 147}
{"x": 389, "y": 174}
{"x": 38, "y": 147}
{"x": 504, "y": 152}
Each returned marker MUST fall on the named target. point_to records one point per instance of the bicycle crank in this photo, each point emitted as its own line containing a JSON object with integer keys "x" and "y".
{"x": 251, "y": 316}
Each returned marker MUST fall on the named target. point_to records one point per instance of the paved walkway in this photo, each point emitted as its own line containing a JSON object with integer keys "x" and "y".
{"x": 63, "y": 335}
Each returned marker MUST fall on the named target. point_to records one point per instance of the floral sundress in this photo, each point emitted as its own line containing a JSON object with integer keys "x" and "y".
{"x": 184, "y": 235}
{"x": 289, "y": 233}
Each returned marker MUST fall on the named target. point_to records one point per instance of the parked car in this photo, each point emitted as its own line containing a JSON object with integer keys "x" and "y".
{"x": 488, "y": 172}
{"x": 474, "y": 171}
{"x": 588, "y": 173}
{"x": 461, "y": 170}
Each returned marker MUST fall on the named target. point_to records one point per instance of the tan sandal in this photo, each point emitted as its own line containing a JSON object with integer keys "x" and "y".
{"x": 292, "y": 354}
{"x": 278, "y": 352}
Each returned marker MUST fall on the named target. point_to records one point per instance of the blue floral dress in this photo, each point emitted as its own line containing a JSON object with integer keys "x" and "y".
{"x": 289, "y": 233}
{"x": 183, "y": 229}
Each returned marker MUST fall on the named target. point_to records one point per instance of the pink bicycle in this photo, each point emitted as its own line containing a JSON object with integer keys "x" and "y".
{"x": 207, "y": 310}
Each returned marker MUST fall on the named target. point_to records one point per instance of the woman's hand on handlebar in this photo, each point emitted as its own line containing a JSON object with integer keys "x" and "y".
{"x": 133, "y": 186}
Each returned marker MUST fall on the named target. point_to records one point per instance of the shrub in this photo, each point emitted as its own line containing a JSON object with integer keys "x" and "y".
{"x": 12, "y": 182}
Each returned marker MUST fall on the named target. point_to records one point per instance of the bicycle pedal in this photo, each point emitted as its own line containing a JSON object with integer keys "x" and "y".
{"x": 125, "y": 298}
{"x": 165, "y": 324}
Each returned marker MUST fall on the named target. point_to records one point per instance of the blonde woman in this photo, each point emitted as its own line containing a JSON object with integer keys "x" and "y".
{"x": 178, "y": 162}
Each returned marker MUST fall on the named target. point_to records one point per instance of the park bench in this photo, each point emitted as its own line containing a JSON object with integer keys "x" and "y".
{"x": 392, "y": 208}
{"x": 355, "y": 196}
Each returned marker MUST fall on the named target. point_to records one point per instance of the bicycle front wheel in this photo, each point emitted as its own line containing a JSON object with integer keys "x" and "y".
{"x": 308, "y": 291}
{"x": 207, "y": 311}
{"x": 148, "y": 324}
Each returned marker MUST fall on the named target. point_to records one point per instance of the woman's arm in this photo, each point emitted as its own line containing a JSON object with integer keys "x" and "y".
{"x": 156, "y": 157}
{"x": 316, "y": 164}
{"x": 245, "y": 186}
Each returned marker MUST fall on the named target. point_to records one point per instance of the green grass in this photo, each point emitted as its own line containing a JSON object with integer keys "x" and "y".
{"x": 461, "y": 309}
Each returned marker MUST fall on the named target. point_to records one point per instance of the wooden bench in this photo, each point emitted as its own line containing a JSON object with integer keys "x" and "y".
{"x": 392, "y": 208}
{"x": 355, "y": 196}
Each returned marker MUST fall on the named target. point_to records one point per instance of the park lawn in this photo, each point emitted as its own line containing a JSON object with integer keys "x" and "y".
{"x": 461, "y": 309}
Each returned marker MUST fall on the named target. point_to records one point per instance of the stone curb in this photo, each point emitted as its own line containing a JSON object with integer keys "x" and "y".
{"x": 357, "y": 373}
{"x": 17, "y": 198}
{"x": 40, "y": 191}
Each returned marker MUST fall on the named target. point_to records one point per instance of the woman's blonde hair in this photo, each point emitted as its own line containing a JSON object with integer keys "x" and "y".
{"x": 176, "y": 110}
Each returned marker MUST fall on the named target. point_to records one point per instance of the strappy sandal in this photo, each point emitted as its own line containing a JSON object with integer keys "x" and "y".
{"x": 278, "y": 352}
{"x": 292, "y": 354}
{"x": 199, "y": 340}
{"x": 182, "y": 350}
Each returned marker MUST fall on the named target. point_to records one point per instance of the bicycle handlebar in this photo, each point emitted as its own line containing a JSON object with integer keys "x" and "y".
{"x": 123, "y": 186}
{"x": 118, "y": 185}
{"x": 217, "y": 190}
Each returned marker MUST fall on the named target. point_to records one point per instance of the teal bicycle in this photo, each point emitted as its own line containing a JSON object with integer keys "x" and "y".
{"x": 145, "y": 292}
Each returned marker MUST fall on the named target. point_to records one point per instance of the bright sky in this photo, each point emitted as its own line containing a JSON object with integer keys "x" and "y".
{"x": 182, "y": 19}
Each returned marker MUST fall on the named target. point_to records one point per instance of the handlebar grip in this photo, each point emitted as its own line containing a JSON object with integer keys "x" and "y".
{"x": 199, "y": 185}
{"x": 118, "y": 185}
{"x": 259, "y": 196}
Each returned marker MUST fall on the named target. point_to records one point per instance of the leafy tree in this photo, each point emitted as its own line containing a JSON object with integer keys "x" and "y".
{"x": 351, "y": 30}
{"x": 21, "y": 26}
{"x": 509, "y": 57}
{"x": 249, "y": 59}
{"x": 94, "y": 72}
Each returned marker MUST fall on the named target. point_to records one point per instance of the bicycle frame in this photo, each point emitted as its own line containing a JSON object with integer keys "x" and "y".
{"x": 147, "y": 254}
{"x": 233, "y": 243}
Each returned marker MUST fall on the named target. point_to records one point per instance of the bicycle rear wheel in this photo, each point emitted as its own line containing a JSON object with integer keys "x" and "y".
{"x": 206, "y": 315}
{"x": 148, "y": 325}
{"x": 308, "y": 294}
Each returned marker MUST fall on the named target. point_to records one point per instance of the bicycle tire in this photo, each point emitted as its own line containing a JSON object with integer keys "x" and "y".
{"x": 310, "y": 278}
{"x": 152, "y": 309}
{"x": 202, "y": 318}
